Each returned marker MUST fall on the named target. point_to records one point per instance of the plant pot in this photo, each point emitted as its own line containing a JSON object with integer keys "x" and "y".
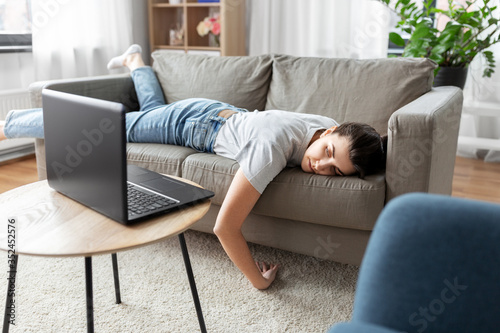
{"x": 451, "y": 76}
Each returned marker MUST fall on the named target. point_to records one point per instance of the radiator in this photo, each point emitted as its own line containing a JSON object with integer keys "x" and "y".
{"x": 14, "y": 148}
{"x": 13, "y": 99}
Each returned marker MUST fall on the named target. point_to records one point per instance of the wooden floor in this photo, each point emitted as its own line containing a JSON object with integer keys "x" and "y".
{"x": 476, "y": 179}
{"x": 16, "y": 173}
{"x": 472, "y": 179}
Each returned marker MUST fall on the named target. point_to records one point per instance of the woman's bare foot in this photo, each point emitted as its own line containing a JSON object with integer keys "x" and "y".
{"x": 2, "y": 134}
{"x": 119, "y": 61}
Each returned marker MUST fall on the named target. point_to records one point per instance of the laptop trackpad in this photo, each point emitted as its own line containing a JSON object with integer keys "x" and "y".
{"x": 162, "y": 185}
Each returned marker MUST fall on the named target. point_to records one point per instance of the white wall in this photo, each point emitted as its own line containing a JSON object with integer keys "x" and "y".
{"x": 140, "y": 27}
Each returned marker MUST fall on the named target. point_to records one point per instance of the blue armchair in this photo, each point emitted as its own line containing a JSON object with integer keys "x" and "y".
{"x": 432, "y": 265}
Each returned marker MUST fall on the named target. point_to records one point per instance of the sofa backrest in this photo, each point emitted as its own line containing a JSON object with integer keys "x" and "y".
{"x": 367, "y": 91}
{"x": 239, "y": 81}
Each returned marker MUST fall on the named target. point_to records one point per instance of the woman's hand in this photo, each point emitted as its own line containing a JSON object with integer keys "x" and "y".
{"x": 268, "y": 272}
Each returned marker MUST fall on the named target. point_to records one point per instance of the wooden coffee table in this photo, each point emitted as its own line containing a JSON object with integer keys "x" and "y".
{"x": 36, "y": 220}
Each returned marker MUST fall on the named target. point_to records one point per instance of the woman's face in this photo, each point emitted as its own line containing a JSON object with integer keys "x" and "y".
{"x": 328, "y": 155}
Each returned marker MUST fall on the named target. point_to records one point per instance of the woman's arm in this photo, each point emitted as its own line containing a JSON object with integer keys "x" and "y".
{"x": 238, "y": 203}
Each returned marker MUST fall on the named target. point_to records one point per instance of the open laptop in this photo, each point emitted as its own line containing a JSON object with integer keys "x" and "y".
{"x": 85, "y": 148}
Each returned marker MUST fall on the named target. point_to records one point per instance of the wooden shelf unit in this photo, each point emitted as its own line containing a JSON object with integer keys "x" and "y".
{"x": 164, "y": 16}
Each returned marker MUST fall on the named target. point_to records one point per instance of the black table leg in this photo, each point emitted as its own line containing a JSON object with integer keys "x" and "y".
{"x": 192, "y": 283}
{"x": 90, "y": 294}
{"x": 11, "y": 287}
{"x": 116, "y": 277}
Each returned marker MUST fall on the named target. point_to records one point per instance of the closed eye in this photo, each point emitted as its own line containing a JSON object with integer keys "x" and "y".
{"x": 336, "y": 171}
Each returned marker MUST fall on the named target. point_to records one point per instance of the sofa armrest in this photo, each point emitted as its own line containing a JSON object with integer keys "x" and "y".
{"x": 116, "y": 88}
{"x": 422, "y": 143}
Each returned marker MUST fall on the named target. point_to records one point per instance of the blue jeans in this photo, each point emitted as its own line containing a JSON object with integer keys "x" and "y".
{"x": 192, "y": 122}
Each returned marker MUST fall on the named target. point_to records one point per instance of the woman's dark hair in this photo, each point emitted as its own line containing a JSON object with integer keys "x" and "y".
{"x": 367, "y": 148}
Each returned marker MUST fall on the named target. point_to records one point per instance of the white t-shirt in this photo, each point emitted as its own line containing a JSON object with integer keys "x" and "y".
{"x": 265, "y": 142}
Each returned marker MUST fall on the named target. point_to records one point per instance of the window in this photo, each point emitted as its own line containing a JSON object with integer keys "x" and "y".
{"x": 15, "y": 26}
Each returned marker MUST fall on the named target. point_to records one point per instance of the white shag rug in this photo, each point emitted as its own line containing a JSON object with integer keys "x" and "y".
{"x": 309, "y": 295}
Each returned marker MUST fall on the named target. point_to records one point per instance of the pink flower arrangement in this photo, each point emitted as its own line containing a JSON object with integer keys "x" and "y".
{"x": 209, "y": 25}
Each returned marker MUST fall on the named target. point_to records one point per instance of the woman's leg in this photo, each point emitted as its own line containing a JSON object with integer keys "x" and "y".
{"x": 148, "y": 88}
{"x": 23, "y": 124}
{"x": 192, "y": 122}
{"x": 29, "y": 123}
{"x": 146, "y": 84}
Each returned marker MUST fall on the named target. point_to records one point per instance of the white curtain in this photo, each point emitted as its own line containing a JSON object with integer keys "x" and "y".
{"x": 76, "y": 38}
{"x": 479, "y": 90}
{"x": 318, "y": 28}
{"x": 482, "y": 90}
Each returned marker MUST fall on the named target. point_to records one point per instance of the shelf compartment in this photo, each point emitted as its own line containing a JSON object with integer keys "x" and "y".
{"x": 163, "y": 16}
{"x": 167, "y": 18}
{"x": 195, "y": 15}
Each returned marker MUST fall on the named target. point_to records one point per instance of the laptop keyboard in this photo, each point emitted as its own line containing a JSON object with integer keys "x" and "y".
{"x": 140, "y": 202}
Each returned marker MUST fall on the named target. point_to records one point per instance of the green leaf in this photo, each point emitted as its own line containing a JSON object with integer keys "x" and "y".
{"x": 440, "y": 49}
{"x": 467, "y": 35}
{"x": 407, "y": 30}
{"x": 489, "y": 56}
{"x": 450, "y": 32}
{"x": 487, "y": 72}
{"x": 396, "y": 39}
{"x": 439, "y": 11}
{"x": 437, "y": 58}
{"x": 402, "y": 3}
{"x": 417, "y": 49}
{"x": 420, "y": 32}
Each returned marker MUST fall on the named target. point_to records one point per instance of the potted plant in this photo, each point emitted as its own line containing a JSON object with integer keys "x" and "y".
{"x": 470, "y": 29}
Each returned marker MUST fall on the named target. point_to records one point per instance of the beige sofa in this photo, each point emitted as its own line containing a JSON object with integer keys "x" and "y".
{"x": 326, "y": 217}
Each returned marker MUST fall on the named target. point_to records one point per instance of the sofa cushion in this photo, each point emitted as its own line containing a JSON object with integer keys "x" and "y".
{"x": 347, "y": 202}
{"x": 240, "y": 81}
{"x": 335, "y": 201}
{"x": 215, "y": 173}
{"x": 366, "y": 91}
{"x": 161, "y": 158}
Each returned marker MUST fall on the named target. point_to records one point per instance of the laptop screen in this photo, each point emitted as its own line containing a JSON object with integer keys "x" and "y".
{"x": 85, "y": 151}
